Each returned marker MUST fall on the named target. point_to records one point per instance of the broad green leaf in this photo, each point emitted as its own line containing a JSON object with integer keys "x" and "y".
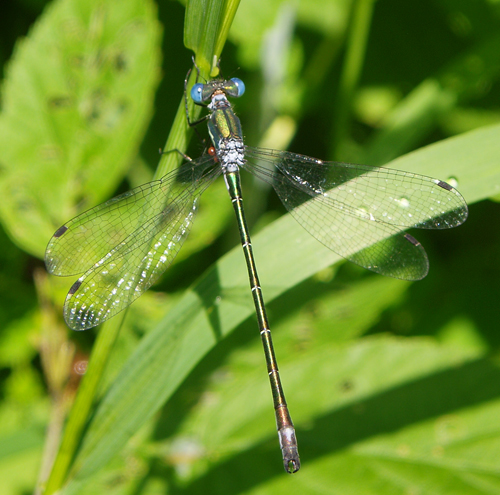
{"x": 239, "y": 392}
{"x": 214, "y": 307}
{"x": 378, "y": 405}
{"x": 77, "y": 98}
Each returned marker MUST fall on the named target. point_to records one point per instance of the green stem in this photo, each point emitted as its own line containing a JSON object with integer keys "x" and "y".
{"x": 82, "y": 406}
{"x": 180, "y": 132}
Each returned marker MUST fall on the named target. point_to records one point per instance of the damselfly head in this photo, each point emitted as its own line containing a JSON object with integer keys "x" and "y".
{"x": 203, "y": 92}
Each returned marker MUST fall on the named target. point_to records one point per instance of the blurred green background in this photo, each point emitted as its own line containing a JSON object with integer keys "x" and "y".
{"x": 394, "y": 387}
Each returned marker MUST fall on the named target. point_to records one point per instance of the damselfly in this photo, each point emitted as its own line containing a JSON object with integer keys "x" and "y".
{"x": 124, "y": 245}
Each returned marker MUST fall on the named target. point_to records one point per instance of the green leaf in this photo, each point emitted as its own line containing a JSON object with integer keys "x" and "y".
{"x": 212, "y": 308}
{"x": 206, "y": 28}
{"x": 77, "y": 98}
{"x": 367, "y": 413}
{"x": 241, "y": 396}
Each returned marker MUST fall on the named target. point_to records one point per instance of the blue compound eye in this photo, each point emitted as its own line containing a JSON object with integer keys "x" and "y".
{"x": 239, "y": 84}
{"x": 197, "y": 93}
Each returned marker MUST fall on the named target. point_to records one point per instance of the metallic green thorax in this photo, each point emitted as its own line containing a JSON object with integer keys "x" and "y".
{"x": 223, "y": 125}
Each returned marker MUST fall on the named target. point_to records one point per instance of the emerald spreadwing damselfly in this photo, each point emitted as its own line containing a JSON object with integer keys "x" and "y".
{"x": 124, "y": 245}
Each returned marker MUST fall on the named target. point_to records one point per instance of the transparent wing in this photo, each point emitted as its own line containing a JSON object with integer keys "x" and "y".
{"x": 360, "y": 212}
{"x": 126, "y": 243}
{"x": 87, "y": 238}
